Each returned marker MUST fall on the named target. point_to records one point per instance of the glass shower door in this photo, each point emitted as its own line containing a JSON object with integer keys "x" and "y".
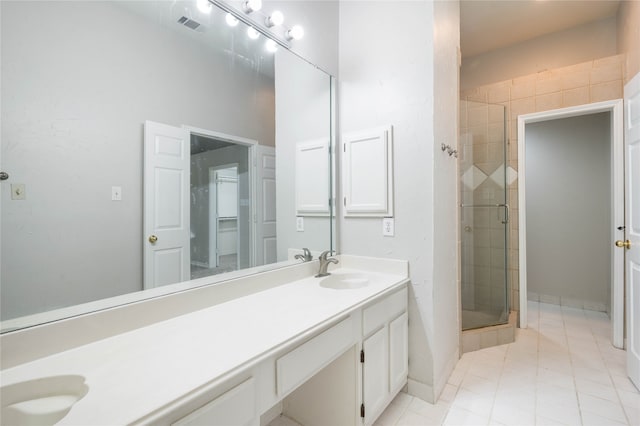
{"x": 484, "y": 215}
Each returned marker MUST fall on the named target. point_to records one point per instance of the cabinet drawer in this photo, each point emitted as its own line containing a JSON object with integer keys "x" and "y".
{"x": 384, "y": 311}
{"x": 234, "y": 407}
{"x": 300, "y": 364}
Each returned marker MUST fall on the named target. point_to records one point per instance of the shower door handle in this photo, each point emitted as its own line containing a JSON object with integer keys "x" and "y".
{"x": 506, "y": 214}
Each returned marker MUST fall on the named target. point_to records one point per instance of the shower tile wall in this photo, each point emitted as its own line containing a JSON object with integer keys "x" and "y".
{"x": 482, "y": 175}
{"x": 588, "y": 82}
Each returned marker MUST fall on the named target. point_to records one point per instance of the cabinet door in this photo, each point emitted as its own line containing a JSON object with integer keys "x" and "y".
{"x": 375, "y": 374}
{"x": 398, "y": 352}
{"x": 236, "y": 407}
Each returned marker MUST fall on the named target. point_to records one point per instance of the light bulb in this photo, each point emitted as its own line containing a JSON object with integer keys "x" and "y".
{"x": 276, "y": 18}
{"x": 252, "y": 33}
{"x": 252, "y": 6}
{"x": 204, "y": 6}
{"x": 295, "y": 33}
{"x": 232, "y": 21}
{"x": 271, "y": 46}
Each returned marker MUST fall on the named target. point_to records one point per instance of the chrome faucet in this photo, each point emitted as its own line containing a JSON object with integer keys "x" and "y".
{"x": 324, "y": 264}
{"x": 305, "y": 257}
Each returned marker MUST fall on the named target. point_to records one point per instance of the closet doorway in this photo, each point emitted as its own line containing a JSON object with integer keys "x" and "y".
{"x": 571, "y": 209}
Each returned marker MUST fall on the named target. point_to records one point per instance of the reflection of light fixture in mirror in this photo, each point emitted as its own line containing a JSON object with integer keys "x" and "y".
{"x": 295, "y": 33}
{"x": 276, "y": 18}
{"x": 252, "y": 6}
{"x": 271, "y": 46}
{"x": 252, "y": 33}
{"x": 232, "y": 21}
{"x": 204, "y": 6}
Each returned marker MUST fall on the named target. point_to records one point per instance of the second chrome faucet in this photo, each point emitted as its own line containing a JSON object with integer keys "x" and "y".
{"x": 324, "y": 264}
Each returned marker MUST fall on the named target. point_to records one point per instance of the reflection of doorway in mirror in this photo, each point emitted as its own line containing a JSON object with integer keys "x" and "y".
{"x": 220, "y": 206}
{"x": 223, "y": 217}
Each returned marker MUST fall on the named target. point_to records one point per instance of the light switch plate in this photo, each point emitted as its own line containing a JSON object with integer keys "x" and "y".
{"x": 388, "y": 227}
{"x": 299, "y": 223}
{"x": 18, "y": 191}
{"x": 116, "y": 193}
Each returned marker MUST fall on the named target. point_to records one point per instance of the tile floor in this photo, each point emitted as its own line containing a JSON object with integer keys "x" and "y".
{"x": 562, "y": 370}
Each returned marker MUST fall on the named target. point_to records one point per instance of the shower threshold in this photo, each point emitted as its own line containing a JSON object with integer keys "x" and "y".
{"x": 494, "y": 335}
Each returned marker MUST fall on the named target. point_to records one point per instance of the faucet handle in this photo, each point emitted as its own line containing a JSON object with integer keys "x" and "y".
{"x": 324, "y": 254}
{"x": 306, "y": 255}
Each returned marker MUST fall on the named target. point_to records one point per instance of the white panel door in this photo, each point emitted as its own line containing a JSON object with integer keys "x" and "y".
{"x": 375, "y": 374}
{"x": 166, "y": 205}
{"x": 632, "y": 195}
{"x": 265, "y": 217}
{"x": 367, "y": 172}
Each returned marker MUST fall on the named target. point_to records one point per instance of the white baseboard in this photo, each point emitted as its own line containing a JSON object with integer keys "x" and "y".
{"x": 566, "y": 301}
{"x": 420, "y": 390}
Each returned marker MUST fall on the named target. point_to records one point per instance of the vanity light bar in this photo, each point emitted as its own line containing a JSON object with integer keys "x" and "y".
{"x": 250, "y": 22}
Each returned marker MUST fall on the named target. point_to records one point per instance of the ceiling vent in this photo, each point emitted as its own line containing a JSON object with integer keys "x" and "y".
{"x": 189, "y": 23}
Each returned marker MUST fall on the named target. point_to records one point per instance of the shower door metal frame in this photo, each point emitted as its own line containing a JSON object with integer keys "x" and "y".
{"x": 506, "y": 218}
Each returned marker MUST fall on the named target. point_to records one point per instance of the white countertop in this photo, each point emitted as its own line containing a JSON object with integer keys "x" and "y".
{"x": 136, "y": 373}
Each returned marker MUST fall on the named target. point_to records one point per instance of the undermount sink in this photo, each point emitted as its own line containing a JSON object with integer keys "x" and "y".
{"x": 345, "y": 281}
{"x": 41, "y": 401}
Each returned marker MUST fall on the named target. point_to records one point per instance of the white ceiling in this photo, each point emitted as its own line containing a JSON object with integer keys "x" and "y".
{"x": 489, "y": 25}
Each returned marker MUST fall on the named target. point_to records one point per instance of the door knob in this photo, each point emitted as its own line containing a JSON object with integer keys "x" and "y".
{"x": 153, "y": 239}
{"x": 625, "y": 244}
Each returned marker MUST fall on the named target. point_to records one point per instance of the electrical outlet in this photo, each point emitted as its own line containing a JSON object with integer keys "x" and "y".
{"x": 18, "y": 191}
{"x": 387, "y": 227}
{"x": 299, "y": 223}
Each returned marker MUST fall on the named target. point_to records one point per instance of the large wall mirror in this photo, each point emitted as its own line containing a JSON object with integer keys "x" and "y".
{"x": 150, "y": 143}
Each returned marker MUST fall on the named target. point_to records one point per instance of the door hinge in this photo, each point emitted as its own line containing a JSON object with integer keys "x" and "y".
{"x": 362, "y": 356}
{"x": 344, "y": 147}
{"x": 344, "y": 201}
{"x": 362, "y": 410}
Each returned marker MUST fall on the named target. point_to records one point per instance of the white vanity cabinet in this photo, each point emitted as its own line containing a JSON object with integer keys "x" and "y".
{"x": 384, "y": 354}
{"x": 374, "y": 340}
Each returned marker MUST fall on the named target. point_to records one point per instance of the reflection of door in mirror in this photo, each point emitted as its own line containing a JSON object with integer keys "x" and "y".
{"x": 166, "y": 205}
{"x": 266, "y": 247}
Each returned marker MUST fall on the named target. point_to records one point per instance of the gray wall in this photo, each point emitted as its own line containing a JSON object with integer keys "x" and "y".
{"x": 78, "y": 80}
{"x": 568, "y": 187}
